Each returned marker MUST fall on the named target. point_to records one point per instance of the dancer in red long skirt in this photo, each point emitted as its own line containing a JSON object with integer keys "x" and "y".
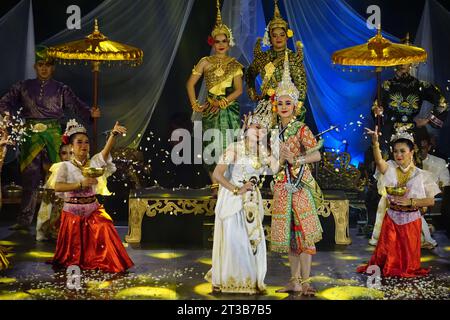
{"x": 87, "y": 237}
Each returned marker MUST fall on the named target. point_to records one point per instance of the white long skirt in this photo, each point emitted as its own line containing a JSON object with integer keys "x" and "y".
{"x": 235, "y": 267}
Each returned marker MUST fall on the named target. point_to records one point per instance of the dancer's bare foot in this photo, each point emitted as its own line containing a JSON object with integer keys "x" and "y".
{"x": 292, "y": 286}
{"x": 308, "y": 290}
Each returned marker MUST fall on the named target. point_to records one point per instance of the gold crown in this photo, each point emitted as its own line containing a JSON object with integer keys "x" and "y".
{"x": 221, "y": 28}
{"x": 74, "y": 127}
{"x": 286, "y": 87}
{"x": 277, "y": 20}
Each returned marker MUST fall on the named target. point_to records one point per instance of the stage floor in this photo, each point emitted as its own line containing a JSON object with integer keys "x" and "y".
{"x": 178, "y": 274}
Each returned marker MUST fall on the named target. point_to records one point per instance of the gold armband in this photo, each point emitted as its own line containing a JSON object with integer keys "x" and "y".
{"x": 195, "y": 72}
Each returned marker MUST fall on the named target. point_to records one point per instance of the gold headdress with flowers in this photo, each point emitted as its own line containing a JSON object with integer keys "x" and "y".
{"x": 221, "y": 28}
{"x": 276, "y": 22}
{"x": 72, "y": 128}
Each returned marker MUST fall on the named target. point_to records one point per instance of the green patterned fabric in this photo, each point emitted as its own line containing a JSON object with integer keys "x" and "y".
{"x": 35, "y": 142}
{"x": 226, "y": 119}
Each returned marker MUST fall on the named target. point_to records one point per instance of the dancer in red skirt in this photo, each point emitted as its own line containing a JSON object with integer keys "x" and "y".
{"x": 87, "y": 237}
{"x": 398, "y": 250}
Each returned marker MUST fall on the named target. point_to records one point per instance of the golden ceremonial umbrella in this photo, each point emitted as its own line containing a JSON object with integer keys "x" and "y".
{"x": 379, "y": 52}
{"x": 98, "y": 49}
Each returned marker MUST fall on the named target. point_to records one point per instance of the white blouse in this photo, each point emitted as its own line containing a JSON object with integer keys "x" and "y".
{"x": 67, "y": 172}
{"x": 420, "y": 185}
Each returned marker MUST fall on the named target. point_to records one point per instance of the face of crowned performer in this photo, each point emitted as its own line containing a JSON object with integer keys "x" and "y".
{"x": 65, "y": 153}
{"x": 80, "y": 146}
{"x": 221, "y": 44}
{"x": 403, "y": 152}
{"x": 285, "y": 108}
{"x": 44, "y": 70}
{"x": 256, "y": 133}
{"x": 278, "y": 38}
{"x": 403, "y": 70}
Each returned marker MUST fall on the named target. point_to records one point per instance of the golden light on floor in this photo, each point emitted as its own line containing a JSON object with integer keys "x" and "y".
{"x": 204, "y": 289}
{"x": 427, "y": 258}
{"x": 347, "y": 257}
{"x": 11, "y": 254}
{"x": 40, "y": 254}
{"x": 14, "y": 296}
{"x": 165, "y": 255}
{"x": 447, "y": 248}
{"x": 47, "y": 292}
{"x": 7, "y": 280}
{"x": 207, "y": 261}
{"x": 350, "y": 293}
{"x": 147, "y": 293}
{"x": 7, "y": 243}
{"x": 271, "y": 293}
{"x": 98, "y": 285}
{"x": 370, "y": 249}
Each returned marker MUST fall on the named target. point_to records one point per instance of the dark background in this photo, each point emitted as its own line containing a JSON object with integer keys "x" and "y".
{"x": 173, "y": 109}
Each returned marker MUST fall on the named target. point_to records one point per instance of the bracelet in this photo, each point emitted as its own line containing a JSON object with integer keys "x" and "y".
{"x": 114, "y": 133}
{"x": 235, "y": 191}
{"x": 196, "y": 106}
{"x": 413, "y": 203}
{"x": 376, "y": 145}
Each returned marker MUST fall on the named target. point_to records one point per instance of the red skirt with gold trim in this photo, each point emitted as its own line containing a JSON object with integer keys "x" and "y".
{"x": 91, "y": 242}
{"x": 398, "y": 250}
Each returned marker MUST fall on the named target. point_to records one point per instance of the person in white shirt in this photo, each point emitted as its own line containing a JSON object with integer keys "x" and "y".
{"x": 439, "y": 170}
{"x": 437, "y": 166}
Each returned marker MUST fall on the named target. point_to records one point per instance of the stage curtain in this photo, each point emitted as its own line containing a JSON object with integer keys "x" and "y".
{"x": 335, "y": 97}
{"x": 128, "y": 94}
{"x": 431, "y": 36}
{"x": 17, "y": 43}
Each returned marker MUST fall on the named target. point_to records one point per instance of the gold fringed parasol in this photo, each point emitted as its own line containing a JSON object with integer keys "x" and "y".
{"x": 379, "y": 52}
{"x": 98, "y": 49}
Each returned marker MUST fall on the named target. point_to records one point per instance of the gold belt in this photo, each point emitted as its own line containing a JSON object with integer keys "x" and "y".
{"x": 81, "y": 200}
{"x": 396, "y": 207}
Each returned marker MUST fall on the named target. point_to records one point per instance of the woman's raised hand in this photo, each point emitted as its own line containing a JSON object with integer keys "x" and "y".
{"x": 373, "y": 133}
{"x": 118, "y": 129}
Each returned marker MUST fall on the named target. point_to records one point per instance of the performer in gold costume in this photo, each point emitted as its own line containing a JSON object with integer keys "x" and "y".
{"x": 269, "y": 64}
{"x": 223, "y": 75}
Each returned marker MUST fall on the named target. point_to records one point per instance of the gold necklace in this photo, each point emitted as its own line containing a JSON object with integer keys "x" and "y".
{"x": 79, "y": 164}
{"x": 219, "y": 70}
{"x": 404, "y": 176}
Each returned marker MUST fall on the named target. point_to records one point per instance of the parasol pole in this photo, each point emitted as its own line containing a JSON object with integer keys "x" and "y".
{"x": 95, "y": 73}
{"x": 378, "y": 72}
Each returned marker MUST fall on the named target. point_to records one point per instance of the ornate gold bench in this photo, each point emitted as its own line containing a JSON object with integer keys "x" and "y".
{"x": 155, "y": 200}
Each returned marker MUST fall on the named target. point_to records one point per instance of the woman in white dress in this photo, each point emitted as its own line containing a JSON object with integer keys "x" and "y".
{"x": 239, "y": 251}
